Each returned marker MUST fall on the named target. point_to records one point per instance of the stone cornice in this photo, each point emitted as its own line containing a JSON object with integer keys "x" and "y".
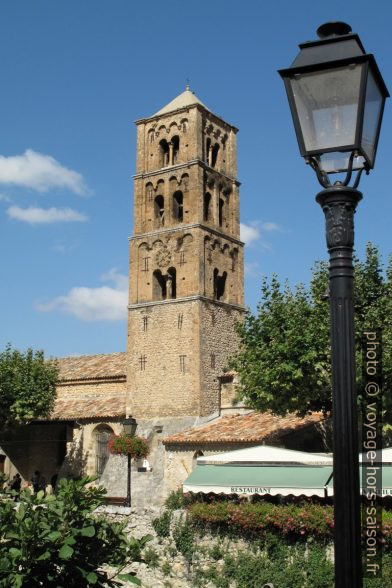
{"x": 188, "y": 299}
{"x": 185, "y": 109}
{"x": 188, "y": 164}
{"x": 187, "y": 227}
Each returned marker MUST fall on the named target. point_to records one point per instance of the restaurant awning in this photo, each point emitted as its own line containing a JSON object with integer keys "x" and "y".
{"x": 273, "y": 470}
{"x": 285, "y": 480}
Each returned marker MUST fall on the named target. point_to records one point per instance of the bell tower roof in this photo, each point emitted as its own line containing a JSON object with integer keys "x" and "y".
{"x": 186, "y": 98}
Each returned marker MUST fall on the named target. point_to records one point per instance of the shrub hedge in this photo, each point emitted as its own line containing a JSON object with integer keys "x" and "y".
{"x": 291, "y": 521}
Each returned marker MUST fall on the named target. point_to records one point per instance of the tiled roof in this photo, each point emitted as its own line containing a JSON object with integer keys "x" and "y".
{"x": 89, "y": 406}
{"x": 186, "y": 98}
{"x": 249, "y": 428}
{"x": 92, "y": 367}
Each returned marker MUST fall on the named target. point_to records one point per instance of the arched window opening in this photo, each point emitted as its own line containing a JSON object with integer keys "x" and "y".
{"x": 206, "y": 207}
{"x": 221, "y": 211}
{"x": 214, "y": 155}
{"x": 159, "y": 211}
{"x": 208, "y": 151}
{"x": 171, "y": 285}
{"x": 178, "y": 206}
{"x": 159, "y": 286}
{"x": 197, "y": 454}
{"x": 175, "y": 143}
{"x": 164, "y": 151}
{"x": 184, "y": 126}
{"x": 150, "y": 192}
{"x": 151, "y": 135}
{"x": 219, "y": 284}
{"x": 102, "y": 435}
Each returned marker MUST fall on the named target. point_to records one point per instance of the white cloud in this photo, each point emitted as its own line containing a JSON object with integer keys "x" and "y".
{"x": 270, "y": 227}
{"x": 33, "y": 215}
{"x": 252, "y": 232}
{"x": 39, "y": 172}
{"x": 249, "y": 234}
{"x": 94, "y": 304}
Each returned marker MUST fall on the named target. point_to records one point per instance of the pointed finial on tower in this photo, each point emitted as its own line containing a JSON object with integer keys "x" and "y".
{"x": 187, "y": 87}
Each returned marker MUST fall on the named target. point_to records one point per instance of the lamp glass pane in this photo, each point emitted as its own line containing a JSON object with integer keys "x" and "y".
{"x": 371, "y": 117}
{"x": 327, "y": 106}
{"x": 335, "y": 162}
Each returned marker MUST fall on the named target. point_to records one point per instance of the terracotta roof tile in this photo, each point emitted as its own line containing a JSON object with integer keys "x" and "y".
{"x": 92, "y": 367}
{"x": 248, "y": 428}
{"x": 89, "y": 406}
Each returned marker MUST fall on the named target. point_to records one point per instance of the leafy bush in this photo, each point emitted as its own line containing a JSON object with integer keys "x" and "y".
{"x": 175, "y": 500}
{"x": 216, "y": 551}
{"x": 161, "y": 525}
{"x": 184, "y": 539}
{"x": 166, "y": 568}
{"x": 58, "y": 540}
{"x": 123, "y": 444}
{"x": 258, "y": 519}
{"x": 151, "y": 557}
{"x": 291, "y": 567}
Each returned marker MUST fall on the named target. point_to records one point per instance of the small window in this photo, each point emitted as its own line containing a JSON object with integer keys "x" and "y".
{"x": 221, "y": 211}
{"x": 150, "y": 192}
{"x": 219, "y": 284}
{"x": 182, "y": 363}
{"x": 142, "y": 362}
{"x": 171, "y": 282}
{"x": 145, "y": 323}
{"x": 178, "y": 206}
{"x": 159, "y": 211}
{"x": 176, "y": 148}
{"x": 180, "y": 320}
{"x": 164, "y": 153}
{"x": 214, "y": 155}
{"x": 159, "y": 285}
{"x": 206, "y": 208}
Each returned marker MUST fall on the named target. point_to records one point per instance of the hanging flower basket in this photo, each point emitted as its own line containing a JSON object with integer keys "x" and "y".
{"x": 123, "y": 444}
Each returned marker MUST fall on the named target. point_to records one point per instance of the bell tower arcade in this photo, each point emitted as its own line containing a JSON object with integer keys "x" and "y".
{"x": 186, "y": 261}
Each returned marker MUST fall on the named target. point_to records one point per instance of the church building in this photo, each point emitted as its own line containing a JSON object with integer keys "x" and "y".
{"x": 186, "y": 293}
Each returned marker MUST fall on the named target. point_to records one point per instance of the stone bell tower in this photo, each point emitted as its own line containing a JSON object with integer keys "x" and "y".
{"x": 186, "y": 261}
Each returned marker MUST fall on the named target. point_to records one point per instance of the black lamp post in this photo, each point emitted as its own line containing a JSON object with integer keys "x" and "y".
{"x": 337, "y": 95}
{"x": 130, "y": 426}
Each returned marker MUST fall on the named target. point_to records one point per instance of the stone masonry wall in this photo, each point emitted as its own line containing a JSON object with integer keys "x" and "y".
{"x": 164, "y": 373}
{"x": 218, "y": 343}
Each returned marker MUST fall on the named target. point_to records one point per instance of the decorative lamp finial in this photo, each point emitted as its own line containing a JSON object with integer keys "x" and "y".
{"x": 187, "y": 87}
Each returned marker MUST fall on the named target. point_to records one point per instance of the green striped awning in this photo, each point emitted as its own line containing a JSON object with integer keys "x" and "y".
{"x": 296, "y": 480}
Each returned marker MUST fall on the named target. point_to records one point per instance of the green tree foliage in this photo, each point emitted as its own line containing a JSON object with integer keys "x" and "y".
{"x": 284, "y": 357}
{"x": 59, "y": 540}
{"x": 27, "y": 386}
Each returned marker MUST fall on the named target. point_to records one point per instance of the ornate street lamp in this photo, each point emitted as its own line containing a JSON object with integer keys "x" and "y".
{"x": 337, "y": 95}
{"x": 130, "y": 426}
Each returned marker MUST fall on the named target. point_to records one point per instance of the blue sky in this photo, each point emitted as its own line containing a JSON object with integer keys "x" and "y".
{"x": 74, "y": 77}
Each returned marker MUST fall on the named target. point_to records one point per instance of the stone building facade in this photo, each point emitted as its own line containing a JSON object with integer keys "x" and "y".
{"x": 185, "y": 295}
{"x": 186, "y": 261}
